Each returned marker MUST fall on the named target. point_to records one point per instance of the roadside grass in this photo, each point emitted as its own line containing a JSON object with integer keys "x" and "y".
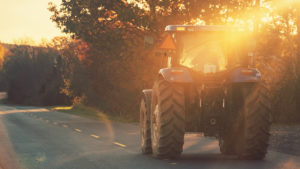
{"x": 92, "y": 113}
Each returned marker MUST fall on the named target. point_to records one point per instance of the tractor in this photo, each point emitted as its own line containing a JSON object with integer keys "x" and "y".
{"x": 209, "y": 85}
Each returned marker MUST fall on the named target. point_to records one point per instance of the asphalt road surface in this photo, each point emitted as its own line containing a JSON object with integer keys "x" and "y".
{"x": 36, "y": 138}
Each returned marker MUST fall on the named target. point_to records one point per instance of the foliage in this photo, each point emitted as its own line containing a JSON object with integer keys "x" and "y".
{"x": 93, "y": 113}
{"x": 32, "y": 76}
{"x": 2, "y": 53}
{"x": 73, "y": 69}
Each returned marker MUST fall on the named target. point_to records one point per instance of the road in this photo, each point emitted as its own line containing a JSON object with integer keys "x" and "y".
{"x": 36, "y": 138}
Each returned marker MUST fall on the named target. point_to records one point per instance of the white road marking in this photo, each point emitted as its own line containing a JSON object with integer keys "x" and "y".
{"x": 95, "y": 136}
{"x": 119, "y": 144}
{"x": 78, "y": 130}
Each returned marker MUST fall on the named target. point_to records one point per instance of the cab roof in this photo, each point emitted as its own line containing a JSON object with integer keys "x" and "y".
{"x": 195, "y": 28}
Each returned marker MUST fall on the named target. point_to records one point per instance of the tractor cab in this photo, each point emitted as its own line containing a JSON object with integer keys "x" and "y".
{"x": 208, "y": 49}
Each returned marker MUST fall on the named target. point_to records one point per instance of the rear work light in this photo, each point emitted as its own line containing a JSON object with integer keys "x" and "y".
{"x": 180, "y": 28}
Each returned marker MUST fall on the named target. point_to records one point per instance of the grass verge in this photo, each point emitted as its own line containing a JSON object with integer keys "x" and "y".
{"x": 92, "y": 113}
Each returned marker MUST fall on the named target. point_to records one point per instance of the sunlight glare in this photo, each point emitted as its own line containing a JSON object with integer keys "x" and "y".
{"x": 28, "y": 18}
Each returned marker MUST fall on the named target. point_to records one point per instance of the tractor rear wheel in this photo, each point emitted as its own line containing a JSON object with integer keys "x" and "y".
{"x": 254, "y": 125}
{"x": 145, "y": 123}
{"x": 233, "y": 102}
{"x": 167, "y": 119}
{"x": 228, "y": 137}
{"x": 227, "y": 145}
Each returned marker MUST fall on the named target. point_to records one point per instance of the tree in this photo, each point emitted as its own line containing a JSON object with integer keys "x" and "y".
{"x": 71, "y": 66}
{"x": 2, "y": 54}
{"x": 32, "y": 76}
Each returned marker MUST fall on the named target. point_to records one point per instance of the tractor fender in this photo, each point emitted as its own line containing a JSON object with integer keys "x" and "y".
{"x": 176, "y": 75}
{"x": 245, "y": 75}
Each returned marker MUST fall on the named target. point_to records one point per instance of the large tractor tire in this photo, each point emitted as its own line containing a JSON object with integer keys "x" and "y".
{"x": 254, "y": 125}
{"x": 167, "y": 119}
{"x": 227, "y": 144}
{"x": 145, "y": 129}
{"x": 233, "y": 102}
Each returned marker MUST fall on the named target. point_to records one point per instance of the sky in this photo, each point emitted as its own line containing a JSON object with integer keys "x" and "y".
{"x": 26, "y": 19}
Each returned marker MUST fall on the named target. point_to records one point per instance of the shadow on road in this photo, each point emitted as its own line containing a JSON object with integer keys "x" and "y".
{"x": 206, "y": 157}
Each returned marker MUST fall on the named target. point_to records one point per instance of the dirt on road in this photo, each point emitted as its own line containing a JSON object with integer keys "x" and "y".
{"x": 285, "y": 139}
